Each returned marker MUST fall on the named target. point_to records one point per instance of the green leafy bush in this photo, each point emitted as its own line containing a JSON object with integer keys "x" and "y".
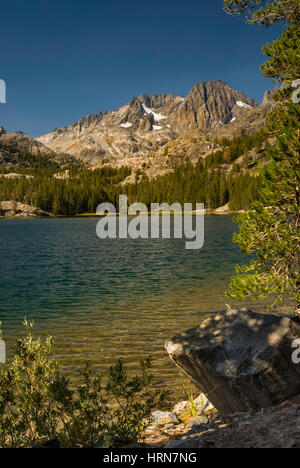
{"x": 38, "y": 404}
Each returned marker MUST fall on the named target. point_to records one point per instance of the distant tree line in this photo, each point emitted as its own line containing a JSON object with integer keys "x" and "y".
{"x": 80, "y": 192}
{"x": 216, "y": 180}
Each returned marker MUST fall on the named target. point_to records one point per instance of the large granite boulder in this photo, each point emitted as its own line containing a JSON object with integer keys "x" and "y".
{"x": 241, "y": 360}
{"x": 20, "y": 210}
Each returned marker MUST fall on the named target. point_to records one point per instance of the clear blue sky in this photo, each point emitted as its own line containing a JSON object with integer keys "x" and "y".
{"x": 62, "y": 59}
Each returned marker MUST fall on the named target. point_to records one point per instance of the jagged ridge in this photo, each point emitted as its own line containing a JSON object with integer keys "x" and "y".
{"x": 148, "y": 123}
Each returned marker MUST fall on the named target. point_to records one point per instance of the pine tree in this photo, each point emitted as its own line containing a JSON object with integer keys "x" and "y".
{"x": 265, "y": 12}
{"x": 271, "y": 228}
{"x": 284, "y": 56}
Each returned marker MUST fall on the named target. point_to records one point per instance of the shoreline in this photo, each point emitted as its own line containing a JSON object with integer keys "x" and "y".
{"x": 93, "y": 215}
{"x": 179, "y": 429}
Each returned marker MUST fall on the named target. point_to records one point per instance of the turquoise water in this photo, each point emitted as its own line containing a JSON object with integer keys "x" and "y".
{"x": 104, "y": 299}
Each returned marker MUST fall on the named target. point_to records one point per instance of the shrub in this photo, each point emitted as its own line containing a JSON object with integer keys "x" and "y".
{"x": 38, "y": 404}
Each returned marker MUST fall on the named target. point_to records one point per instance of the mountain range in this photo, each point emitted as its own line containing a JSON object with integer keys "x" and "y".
{"x": 142, "y": 128}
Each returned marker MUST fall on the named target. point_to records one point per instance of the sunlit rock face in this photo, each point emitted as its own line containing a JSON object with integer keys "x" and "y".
{"x": 241, "y": 360}
{"x": 147, "y": 123}
{"x": 210, "y": 104}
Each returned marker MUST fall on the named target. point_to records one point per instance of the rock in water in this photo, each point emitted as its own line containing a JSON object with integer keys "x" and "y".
{"x": 241, "y": 360}
{"x": 20, "y": 210}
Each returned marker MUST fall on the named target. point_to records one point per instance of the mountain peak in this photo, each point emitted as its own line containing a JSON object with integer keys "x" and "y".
{"x": 149, "y": 122}
{"x": 210, "y": 103}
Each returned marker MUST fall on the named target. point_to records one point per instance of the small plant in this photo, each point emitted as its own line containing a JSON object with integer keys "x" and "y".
{"x": 38, "y": 404}
{"x": 189, "y": 392}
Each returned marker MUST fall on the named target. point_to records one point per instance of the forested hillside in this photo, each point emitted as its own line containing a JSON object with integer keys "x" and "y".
{"x": 228, "y": 175}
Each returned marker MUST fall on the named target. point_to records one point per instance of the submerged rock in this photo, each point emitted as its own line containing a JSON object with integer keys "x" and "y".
{"x": 241, "y": 360}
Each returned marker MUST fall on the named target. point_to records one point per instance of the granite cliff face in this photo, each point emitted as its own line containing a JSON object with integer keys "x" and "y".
{"x": 147, "y": 123}
{"x": 210, "y": 104}
{"x": 247, "y": 120}
{"x": 136, "y": 128}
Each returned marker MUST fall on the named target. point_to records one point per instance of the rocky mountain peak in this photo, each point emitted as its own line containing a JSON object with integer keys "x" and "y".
{"x": 210, "y": 103}
{"x": 148, "y": 122}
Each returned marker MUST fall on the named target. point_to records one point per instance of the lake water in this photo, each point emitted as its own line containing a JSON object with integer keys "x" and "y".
{"x": 105, "y": 299}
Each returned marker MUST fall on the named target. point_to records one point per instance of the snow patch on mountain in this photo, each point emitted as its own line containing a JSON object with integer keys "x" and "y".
{"x": 126, "y": 125}
{"x": 243, "y": 104}
{"x": 157, "y": 127}
{"x": 157, "y": 117}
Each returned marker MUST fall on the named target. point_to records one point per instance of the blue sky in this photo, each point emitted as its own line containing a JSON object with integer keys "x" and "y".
{"x": 62, "y": 59}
